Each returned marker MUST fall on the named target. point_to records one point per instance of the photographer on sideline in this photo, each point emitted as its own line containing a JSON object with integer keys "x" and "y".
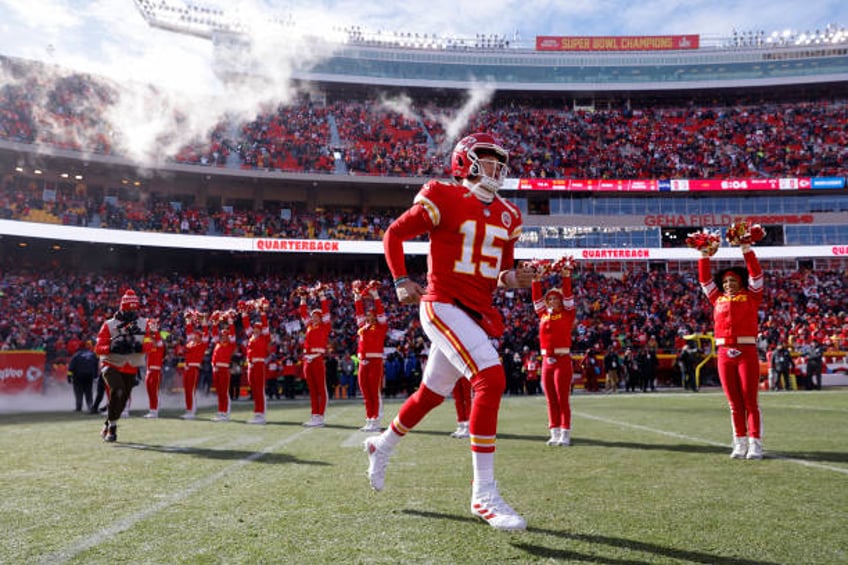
{"x": 120, "y": 345}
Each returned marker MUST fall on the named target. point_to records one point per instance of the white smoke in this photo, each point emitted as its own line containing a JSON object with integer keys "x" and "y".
{"x": 161, "y": 90}
{"x": 402, "y": 104}
{"x": 59, "y": 397}
{"x": 455, "y": 124}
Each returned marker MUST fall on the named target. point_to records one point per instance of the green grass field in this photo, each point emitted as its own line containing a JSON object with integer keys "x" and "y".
{"x": 648, "y": 480}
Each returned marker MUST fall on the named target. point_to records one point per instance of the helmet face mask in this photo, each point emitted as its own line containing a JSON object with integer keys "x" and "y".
{"x": 469, "y": 161}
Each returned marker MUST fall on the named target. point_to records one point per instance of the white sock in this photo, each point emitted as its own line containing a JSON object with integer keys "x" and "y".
{"x": 484, "y": 468}
{"x": 389, "y": 440}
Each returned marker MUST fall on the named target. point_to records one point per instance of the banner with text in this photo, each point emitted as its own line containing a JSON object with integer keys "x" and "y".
{"x": 21, "y": 371}
{"x": 673, "y": 185}
{"x": 617, "y": 43}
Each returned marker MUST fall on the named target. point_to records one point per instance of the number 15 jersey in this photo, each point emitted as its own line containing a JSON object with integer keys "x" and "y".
{"x": 471, "y": 242}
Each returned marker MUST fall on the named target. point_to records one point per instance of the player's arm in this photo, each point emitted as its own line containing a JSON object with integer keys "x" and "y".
{"x": 520, "y": 276}
{"x": 408, "y": 225}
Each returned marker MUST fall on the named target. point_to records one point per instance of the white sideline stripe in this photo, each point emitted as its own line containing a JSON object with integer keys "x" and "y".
{"x": 810, "y": 408}
{"x": 708, "y": 442}
{"x": 131, "y": 520}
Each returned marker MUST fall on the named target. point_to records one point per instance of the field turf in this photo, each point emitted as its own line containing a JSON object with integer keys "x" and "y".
{"x": 647, "y": 480}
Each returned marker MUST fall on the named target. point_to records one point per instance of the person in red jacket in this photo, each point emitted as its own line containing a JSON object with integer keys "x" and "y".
{"x": 197, "y": 340}
{"x": 462, "y": 403}
{"x": 315, "y": 342}
{"x": 153, "y": 377}
{"x": 258, "y": 350}
{"x": 736, "y": 294}
{"x": 532, "y": 371}
{"x": 121, "y": 346}
{"x": 222, "y": 355}
{"x": 556, "y": 313}
{"x": 372, "y": 327}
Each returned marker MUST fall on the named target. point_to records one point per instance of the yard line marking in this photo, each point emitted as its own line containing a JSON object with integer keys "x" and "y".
{"x": 709, "y": 442}
{"x": 126, "y": 523}
{"x": 810, "y": 408}
{"x": 129, "y": 521}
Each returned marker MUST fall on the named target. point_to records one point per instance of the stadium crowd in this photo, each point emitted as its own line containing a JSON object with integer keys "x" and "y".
{"x": 155, "y": 213}
{"x": 402, "y": 137}
{"x": 56, "y": 310}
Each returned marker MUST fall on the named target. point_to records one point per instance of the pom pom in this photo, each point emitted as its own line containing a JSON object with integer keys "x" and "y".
{"x": 319, "y": 287}
{"x": 542, "y": 267}
{"x": 374, "y": 285}
{"x": 565, "y": 263}
{"x": 357, "y": 286}
{"x": 704, "y": 241}
{"x": 743, "y": 233}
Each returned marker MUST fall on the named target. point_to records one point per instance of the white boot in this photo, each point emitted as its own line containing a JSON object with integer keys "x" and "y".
{"x": 755, "y": 448}
{"x": 740, "y": 447}
{"x": 316, "y": 421}
{"x": 378, "y": 460}
{"x": 565, "y": 438}
{"x": 371, "y": 425}
{"x": 486, "y": 503}
{"x": 152, "y": 414}
{"x": 461, "y": 430}
{"x": 556, "y": 435}
{"x": 258, "y": 419}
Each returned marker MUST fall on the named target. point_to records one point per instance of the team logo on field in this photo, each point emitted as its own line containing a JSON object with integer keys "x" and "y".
{"x": 506, "y": 219}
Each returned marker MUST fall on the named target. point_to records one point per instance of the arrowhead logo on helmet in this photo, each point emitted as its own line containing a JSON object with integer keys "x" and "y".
{"x": 465, "y": 161}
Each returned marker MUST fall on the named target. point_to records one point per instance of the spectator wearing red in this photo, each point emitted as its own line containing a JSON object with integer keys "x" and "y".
{"x": 153, "y": 377}
{"x": 736, "y": 294}
{"x": 120, "y": 345}
{"x": 315, "y": 342}
{"x": 197, "y": 341}
{"x": 532, "y": 371}
{"x": 462, "y": 404}
{"x": 222, "y": 356}
{"x": 258, "y": 350}
{"x": 556, "y": 313}
{"x": 372, "y": 327}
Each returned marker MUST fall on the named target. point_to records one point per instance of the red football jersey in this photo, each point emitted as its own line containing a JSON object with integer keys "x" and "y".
{"x": 470, "y": 242}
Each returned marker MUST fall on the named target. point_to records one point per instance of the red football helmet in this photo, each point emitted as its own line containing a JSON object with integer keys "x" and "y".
{"x": 465, "y": 159}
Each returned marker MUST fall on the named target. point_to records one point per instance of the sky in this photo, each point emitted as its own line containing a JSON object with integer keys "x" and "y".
{"x": 110, "y": 38}
{"x": 104, "y": 35}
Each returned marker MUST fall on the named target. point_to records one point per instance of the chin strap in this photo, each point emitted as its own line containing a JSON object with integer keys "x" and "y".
{"x": 480, "y": 190}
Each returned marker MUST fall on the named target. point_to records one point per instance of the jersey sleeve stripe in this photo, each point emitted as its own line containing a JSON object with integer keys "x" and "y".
{"x": 430, "y": 207}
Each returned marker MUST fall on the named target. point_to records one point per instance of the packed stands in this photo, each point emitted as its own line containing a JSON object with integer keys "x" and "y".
{"x": 734, "y": 138}
{"x": 43, "y": 307}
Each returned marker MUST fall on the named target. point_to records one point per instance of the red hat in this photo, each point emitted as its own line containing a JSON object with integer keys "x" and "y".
{"x": 129, "y": 301}
{"x": 316, "y": 311}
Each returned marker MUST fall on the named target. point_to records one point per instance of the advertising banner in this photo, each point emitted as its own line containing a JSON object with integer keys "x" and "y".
{"x": 21, "y": 371}
{"x": 674, "y": 185}
{"x": 617, "y": 43}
